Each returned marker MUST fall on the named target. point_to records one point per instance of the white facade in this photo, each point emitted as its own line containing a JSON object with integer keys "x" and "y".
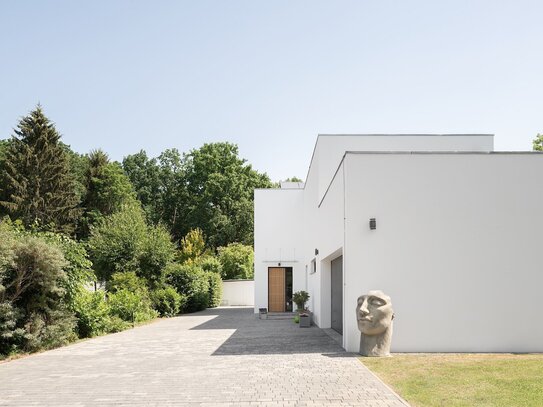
{"x": 457, "y": 244}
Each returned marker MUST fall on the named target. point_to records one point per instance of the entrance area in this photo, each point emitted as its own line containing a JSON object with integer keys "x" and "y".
{"x": 280, "y": 289}
{"x": 337, "y": 295}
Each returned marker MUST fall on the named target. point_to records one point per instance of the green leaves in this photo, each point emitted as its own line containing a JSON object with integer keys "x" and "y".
{"x": 39, "y": 187}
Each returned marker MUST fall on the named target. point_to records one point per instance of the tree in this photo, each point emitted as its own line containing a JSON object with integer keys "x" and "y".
{"x": 192, "y": 246}
{"x": 220, "y": 188}
{"x": 116, "y": 242}
{"x": 107, "y": 190}
{"x": 293, "y": 179}
{"x": 236, "y": 261}
{"x": 538, "y": 143}
{"x": 144, "y": 174}
{"x": 38, "y": 185}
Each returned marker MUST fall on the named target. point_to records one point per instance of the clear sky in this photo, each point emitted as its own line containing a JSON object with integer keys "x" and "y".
{"x": 271, "y": 75}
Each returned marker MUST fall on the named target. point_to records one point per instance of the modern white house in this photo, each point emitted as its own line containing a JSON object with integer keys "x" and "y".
{"x": 456, "y": 240}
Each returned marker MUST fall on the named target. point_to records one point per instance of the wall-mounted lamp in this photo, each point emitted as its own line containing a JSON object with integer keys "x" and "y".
{"x": 279, "y": 264}
{"x": 316, "y": 251}
{"x": 373, "y": 224}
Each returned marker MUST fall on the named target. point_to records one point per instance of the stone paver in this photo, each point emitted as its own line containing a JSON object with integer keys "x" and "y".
{"x": 220, "y": 357}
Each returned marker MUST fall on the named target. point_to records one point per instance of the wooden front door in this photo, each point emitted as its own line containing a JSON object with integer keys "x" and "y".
{"x": 276, "y": 289}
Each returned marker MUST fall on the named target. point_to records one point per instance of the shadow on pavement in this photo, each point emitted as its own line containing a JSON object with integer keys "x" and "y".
{"x": 254, "y": 336}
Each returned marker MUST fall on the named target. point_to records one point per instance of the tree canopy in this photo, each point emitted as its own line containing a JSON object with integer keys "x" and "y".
{"x": 38, "y": 185}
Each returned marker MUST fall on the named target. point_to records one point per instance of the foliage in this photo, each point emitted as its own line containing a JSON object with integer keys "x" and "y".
{"x": 131, "y": 306}
{"x": 293, "y": 179}
{"x": 108, "y": 189}
{"x": 499, "y": 380}
{"x": 11, "y": 336}
{"x": 192, "y": 246}
{"x": 296, "y": 319}
{"x": 38, "y": 185}
{"x": 538, "y": 143}
{"x": 236, "y": 261}
{"x": 210, "y": 188}
{"x": 129, "y": 298}
{"x": 92, "y": 313}
{"x": 215, "y": 289}
{"x": 300, "y": 299}
{"x": 220, "y": 186}
{"x": 192, "y": 282}
{"x": 156, "y": 252}
{"x": 78, "y": 267}
{"x": 210, "y": 263}
{"x": 144, "y": 174}
{"x": 33, "y": 293}
{"x": 116, "y": 242}
{"x": 167, "y": 301}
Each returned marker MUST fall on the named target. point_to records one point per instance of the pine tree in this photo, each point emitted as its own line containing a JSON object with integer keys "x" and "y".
{"x": 38, "y": 186}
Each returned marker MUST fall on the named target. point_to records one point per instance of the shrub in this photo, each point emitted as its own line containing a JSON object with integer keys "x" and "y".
{"x": 129, "y": 298}
{"x": 92, "y": 313}
{"x": 116, "y": 242}
{"x": 210, "y": 263}
{"x": 237, "y": 261}
{"x": 191, "y": 281}
{"x": 10, "y": 335}
{"x": 300, "y": 298}
{"x": 156, "y": 252}
{"x": 215, "y": 289}
{"x": 167, "y": 301}
{"x": 131, "y": 306}
{"x": 40, "y": 299}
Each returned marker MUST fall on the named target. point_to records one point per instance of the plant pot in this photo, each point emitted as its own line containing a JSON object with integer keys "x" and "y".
{"x": 305, "y": 320}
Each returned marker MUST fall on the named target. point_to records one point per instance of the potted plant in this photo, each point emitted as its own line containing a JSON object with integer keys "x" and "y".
{"x": 300, "y": 299}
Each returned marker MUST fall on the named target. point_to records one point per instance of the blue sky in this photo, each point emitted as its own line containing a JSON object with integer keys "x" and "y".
{"x": 271, "y": 75}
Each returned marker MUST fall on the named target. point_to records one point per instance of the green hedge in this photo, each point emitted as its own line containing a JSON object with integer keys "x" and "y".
{"x": 215, "y": 289}
{"x": 192, "y": 282}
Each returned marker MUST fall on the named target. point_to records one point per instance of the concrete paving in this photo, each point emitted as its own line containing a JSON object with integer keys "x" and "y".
{"x": 218, "y": 357}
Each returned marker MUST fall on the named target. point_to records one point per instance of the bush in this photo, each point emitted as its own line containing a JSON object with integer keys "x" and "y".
{"x": 116, "y": 242}
{"x": 167, "y": 301}
{"x": 131, "y": 306}
{"x": 210, "y": 263}
{"x": 237, "y": 261}
{"x": 10, "y": 335}
{"x": 39, "y": 303}
{"x": 156, "y": 252}
{"x": 300, "y": 298}
{"x": 192, "y": 282}
{"x": 215, "y": 289}
{"x": 92, "y": 313}
{"x": 129, "y": 298}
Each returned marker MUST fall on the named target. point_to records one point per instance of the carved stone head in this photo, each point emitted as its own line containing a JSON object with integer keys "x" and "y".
{"x": 374, "y": 313}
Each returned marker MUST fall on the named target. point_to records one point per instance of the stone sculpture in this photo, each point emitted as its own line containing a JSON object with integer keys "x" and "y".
{"x": 374, "y": 315}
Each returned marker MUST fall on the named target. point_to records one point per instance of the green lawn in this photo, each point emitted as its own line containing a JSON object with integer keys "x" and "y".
{"x": 451, "y": 380}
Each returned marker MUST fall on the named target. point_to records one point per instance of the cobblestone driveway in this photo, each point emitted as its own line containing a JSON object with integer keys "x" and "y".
{"x": 219, "y": 357}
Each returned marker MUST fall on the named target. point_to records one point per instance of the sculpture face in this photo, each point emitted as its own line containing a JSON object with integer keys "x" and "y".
{"x": 374, "y": 313}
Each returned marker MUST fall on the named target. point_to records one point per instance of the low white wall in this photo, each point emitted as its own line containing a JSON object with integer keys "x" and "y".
{"x": 238, "y": 292}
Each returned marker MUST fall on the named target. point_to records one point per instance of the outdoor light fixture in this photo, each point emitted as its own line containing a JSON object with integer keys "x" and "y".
{"x": 373, "y": 224}
{"x": 316, "y": 251}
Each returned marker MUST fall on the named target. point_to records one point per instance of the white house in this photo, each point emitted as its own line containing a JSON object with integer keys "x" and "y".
{"x": 457, "y": 245}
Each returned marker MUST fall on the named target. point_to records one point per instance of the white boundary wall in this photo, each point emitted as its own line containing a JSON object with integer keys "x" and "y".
{"x": 238, "y": 292}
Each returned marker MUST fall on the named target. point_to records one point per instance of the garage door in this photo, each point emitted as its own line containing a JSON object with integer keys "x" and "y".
{"x": 337, "y": 294}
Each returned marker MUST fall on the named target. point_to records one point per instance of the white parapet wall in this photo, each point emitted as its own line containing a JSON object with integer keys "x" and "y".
{"x": 238, "y": 292}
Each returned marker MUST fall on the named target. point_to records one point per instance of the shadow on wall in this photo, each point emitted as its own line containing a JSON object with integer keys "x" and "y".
{"x": 254, "y": 336}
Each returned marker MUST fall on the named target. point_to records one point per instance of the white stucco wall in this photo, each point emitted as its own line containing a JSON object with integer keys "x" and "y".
{"x": 278, "y": 222}
{"x": 330, "y": 148}
{"x": 238, "y": 292}
{"x": 457, "y": 247}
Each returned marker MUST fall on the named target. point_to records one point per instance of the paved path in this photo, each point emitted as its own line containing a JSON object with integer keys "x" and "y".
{"x": 219, "y": 357}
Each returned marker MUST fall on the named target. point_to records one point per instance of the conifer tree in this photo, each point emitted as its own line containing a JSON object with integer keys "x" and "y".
{"x": 38, "y": 186}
